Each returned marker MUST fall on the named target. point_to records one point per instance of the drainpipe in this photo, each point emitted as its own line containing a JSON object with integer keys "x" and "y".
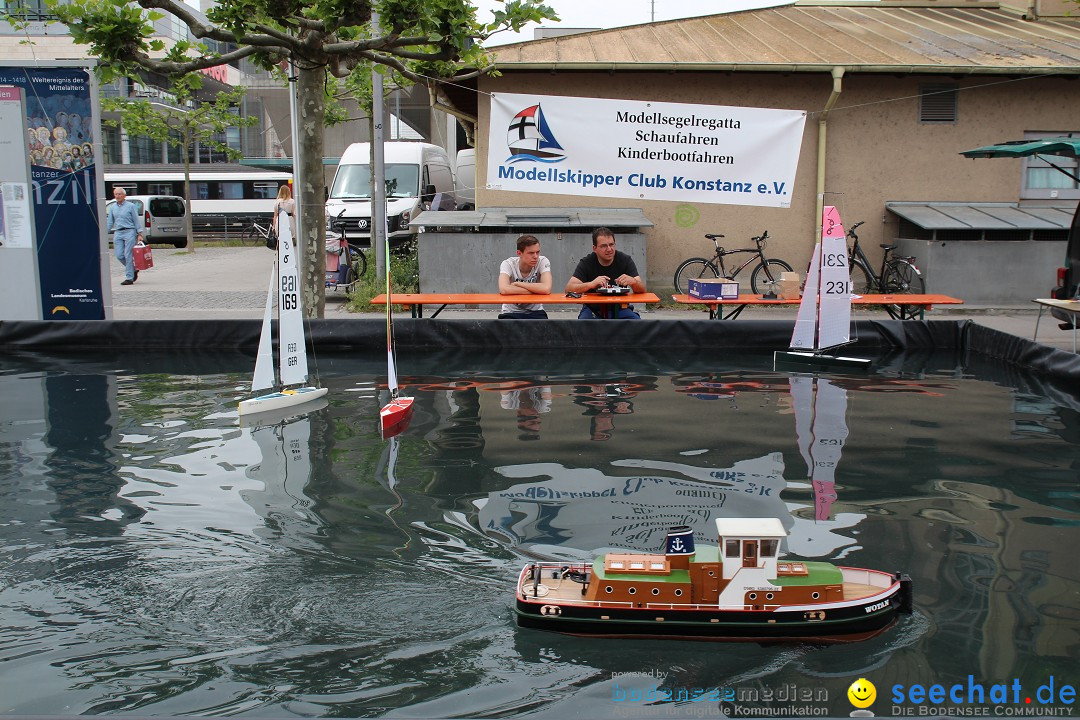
{"x": 837, "y": 77}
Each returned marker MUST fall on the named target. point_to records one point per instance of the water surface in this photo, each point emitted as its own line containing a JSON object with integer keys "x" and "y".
{"x": 159, "y": 559}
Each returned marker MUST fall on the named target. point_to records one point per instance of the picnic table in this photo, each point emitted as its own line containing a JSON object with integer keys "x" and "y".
{"x": 416, "y": 301}
{"x": 1071, "y": 307}
{"x": 924, "y": 302}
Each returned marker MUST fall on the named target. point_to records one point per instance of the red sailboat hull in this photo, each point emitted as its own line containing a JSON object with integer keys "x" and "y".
{"x": 394, "y": 416}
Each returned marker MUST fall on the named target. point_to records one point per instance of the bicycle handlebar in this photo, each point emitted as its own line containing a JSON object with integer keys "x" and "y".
{"x": 852, "y": 228}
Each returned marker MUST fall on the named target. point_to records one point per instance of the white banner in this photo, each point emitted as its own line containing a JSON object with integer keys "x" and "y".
{"x": 643, "y": 150}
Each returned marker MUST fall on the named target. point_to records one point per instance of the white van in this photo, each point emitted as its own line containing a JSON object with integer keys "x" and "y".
{"x": 163, "y": 218}
{"x": 415, "y": 173}
{"x": 465, "y": 179}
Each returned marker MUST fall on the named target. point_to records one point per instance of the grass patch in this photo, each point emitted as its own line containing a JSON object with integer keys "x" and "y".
{"x": 404, "y": 276}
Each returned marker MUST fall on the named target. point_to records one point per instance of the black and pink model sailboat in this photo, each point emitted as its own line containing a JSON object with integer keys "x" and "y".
{"x": 824, "y": 320}
{"x": 395, "y": 415}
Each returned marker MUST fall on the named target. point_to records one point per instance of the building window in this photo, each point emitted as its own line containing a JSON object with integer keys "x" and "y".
{"x": 27, "y": 10}
{"x": 110, "y": 140}
{"x": 143, "y": 150}
{"x": 937, "y": 103}
{"x": 1042, "y": 180}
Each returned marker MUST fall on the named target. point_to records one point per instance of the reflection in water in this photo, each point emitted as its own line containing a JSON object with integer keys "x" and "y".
{"x": 578, "y": 512}
{"x": 82, "y": 467}
{"x": 602, "y": 403}
{"x": 163, "y": 561}
{"x": 529, "y": 403}
{"x": 284, "y": 469}
{"x": 821, "y": 425}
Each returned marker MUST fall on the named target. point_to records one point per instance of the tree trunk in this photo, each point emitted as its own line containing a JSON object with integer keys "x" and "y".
{"x": 187, "y": 191}
{"x": 308, "y": 152}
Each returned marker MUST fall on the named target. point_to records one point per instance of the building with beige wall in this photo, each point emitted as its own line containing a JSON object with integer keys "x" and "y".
{"x": 894, "y": 91}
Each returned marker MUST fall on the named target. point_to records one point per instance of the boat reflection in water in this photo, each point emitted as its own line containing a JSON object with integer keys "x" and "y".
{"x": 284, "y": 471}
{"x": 578, "y": 511}
{"x": 821, "y": 426}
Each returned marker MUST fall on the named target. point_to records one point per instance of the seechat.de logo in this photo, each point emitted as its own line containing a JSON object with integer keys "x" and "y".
{"x": 862, "y": 693}
{"x": 530, "y": 138}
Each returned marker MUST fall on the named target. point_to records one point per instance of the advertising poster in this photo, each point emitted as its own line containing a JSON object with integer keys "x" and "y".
{"x": 59, "y": 138}
{"x": 643, "y": 150}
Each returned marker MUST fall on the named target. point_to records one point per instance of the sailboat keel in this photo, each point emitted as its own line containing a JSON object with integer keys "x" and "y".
{"x": 802, "y": 360}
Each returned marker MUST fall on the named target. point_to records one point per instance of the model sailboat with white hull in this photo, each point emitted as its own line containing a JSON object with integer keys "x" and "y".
{"x": 824, "y": 319}
{"x": 289, "y": 389}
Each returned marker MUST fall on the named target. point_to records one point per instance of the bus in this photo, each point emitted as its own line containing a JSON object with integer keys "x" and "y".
{"x": 226, "y": 198}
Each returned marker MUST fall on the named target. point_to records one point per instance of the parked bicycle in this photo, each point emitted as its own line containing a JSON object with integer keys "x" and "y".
{"x": 351, "y": 259}
{"x": 257, "y": 234}
{"x": 766, "y": 272}
{"x": 898, "y": 276}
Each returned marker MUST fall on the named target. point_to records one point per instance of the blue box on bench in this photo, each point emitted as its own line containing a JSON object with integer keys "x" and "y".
{"x": 713, "y": 288}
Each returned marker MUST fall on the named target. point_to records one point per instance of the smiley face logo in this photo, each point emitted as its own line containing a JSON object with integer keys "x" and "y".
{"x": 862, "y": 693}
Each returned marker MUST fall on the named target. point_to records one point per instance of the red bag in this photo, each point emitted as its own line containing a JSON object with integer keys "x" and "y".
{"x": 144, "y": 260}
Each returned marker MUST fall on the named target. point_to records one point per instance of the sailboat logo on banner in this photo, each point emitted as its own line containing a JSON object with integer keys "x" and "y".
{"x": 530, "y": 138}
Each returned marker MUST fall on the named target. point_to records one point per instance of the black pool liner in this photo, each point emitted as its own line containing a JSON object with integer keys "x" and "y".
{"x": 876, "y": 338}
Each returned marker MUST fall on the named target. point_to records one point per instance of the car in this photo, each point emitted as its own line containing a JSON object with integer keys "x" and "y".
{"x": 417, "y": 175}
{"x": 164, "y": 218}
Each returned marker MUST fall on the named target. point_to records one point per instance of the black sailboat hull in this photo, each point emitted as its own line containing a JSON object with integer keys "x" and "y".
{"x": 803, "y": 360}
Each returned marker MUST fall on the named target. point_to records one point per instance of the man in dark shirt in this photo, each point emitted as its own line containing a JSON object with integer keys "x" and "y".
{"x": 605, "y": 266}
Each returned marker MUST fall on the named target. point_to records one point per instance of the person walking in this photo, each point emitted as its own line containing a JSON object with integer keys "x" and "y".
{"x": 125, "y": 224}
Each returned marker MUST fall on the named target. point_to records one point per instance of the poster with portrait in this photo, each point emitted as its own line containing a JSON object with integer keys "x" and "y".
{"x": 59, "y": 139}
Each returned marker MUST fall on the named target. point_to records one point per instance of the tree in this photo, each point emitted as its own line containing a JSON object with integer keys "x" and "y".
{"x": 424, "y": 41}
{"x": 184, "y": 124}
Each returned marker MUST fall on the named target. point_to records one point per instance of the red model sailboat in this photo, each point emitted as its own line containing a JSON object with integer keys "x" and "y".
{"x": 394, "y": 417}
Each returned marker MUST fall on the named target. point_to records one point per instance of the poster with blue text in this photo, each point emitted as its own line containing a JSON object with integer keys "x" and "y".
{"x": 63, "y": 192}
{"x": 643, "y": 150}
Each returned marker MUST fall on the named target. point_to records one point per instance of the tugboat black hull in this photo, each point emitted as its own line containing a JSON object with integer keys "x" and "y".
{"x": 847, "y": 622}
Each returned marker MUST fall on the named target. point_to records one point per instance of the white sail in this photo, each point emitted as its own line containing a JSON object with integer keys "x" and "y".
{"x": 835, "y": 294}
{"x": 805, "y": 334}
{"x": 292, "y": 358}
{"x": 264, "y": 361}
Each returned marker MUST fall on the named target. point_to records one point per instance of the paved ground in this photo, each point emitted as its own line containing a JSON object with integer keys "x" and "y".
{"x": 221, "y": 283}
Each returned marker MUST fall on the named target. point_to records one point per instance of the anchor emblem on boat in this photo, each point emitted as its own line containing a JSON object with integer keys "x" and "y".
{"x": 677, "y": 545}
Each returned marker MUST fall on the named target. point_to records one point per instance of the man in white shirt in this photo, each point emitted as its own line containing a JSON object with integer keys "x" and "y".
{"x": 528, "y": 273}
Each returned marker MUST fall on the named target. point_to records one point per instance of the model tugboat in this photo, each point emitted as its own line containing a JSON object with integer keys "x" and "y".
{"x": 739, "y": 590}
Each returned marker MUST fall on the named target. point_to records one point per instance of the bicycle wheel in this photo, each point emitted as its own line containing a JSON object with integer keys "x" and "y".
{"x": 251, "y": 235}
{"x": 359, "y": 261}
{"x": 692, "y": 269}
{"x": 903, "y": 278}
{"x": 766, "y": 273}
{"x": 860, "y": 279}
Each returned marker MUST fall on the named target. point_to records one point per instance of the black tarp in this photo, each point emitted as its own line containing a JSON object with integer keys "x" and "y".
{"x": 663, "y": 340}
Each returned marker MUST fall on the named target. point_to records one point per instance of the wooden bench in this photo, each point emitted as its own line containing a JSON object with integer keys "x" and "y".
{"x": 924, "y": 302}
{"x": 416, "y": 301}
{"x": 1070, "y": 307}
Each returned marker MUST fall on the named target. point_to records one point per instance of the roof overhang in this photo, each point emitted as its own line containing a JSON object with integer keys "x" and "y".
{"x": 984, "y": 215}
